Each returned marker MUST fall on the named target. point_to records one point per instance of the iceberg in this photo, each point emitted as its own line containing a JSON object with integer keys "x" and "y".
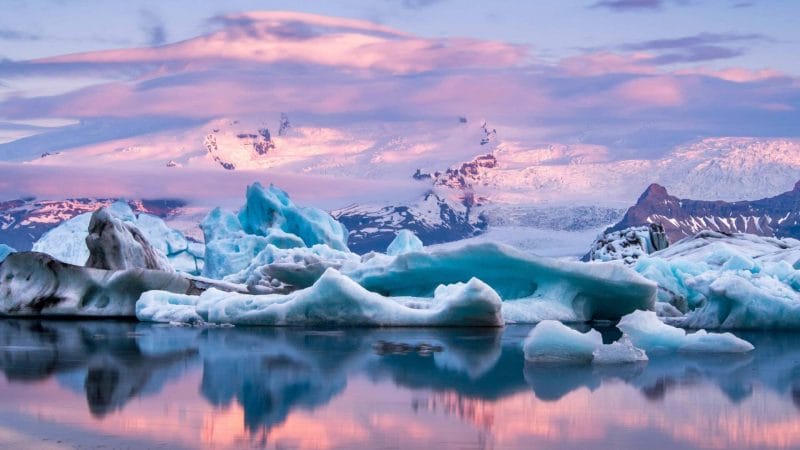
{"x": 553, "y": 342}
{"x": 333, "y": 300}
{"x": 533, "y": 288}
{"x": 117, "y": 245}
{"x": 5, "y": 251}
{"x": 67, "y": 241}
{"x": 736, "y": 281}
{"x": 37, "y": 284}
{"x": 646, "y": 331}
{"x": 405, "y": 242}
{"x": 621, "y": 351}
{"x": 268, "y": 217}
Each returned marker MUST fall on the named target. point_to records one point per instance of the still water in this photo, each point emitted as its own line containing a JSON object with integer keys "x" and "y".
{"x": 130, "y": 385}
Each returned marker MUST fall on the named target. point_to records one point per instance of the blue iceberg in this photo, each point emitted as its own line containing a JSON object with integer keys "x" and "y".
{"x": 5, "y": 251}
{"x": 333, "y": 300}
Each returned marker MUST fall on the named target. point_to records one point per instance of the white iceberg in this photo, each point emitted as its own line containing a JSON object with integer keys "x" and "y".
{"x": 619, "y": 352}
{"x": 333, "y": 300}
{"x": 67, "y": 241}
{"x": 646, "y": 331}
{"x": 553, "y": 342}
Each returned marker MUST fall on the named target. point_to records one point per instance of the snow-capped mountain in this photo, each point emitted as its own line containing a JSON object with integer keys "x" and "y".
{"x": 777, "y": 216}
{"x": 23, "y": 221}
{"x": 434, "y": 219}
{"x": 710, "y": 169}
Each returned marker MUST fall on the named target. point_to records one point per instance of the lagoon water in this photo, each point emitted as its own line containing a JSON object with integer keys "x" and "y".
{"x": 102, "y": 384}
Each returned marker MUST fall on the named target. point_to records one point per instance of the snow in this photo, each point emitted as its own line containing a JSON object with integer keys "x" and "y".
{"x": 646, "y": 331}
{"x": 5, "y": 251}
{"x": 67, "y": 241}
{"x": 405, "y": 242}
{"x": 333, "y": 300}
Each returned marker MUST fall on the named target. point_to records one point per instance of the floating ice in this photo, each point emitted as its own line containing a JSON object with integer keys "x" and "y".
{"x": 36, "y": 284}
{"x": 552, "y": 341}
{"x": 5, "y": 251}
{"x": 67, "y": 241}
{"x": 268, "y": 217}
{"x": 333, "y": 300}
{"x": 532, "y": 288}
{"x": 405, "y": 242}
{"x": 117, "y": 245}
{"x": 648, "y": 332}
{"x": 728, "y": 281}
{"x": 619, "y": 352}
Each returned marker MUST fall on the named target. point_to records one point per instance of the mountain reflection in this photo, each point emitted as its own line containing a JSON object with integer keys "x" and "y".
{"x": 271, "y": 373}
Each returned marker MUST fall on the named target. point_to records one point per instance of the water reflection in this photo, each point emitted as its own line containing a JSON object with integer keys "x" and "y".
{"x": 265, "y": 384}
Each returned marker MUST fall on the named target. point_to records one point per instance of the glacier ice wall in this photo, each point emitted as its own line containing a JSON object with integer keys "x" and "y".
{"x": 5, "y": 251}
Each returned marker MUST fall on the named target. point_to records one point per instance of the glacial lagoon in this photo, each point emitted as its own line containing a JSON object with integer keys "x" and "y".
{"x": 112, "y": 384}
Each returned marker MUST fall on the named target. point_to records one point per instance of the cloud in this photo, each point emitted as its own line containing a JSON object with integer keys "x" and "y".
{"x": 629, "y": 5}
{"x": 697, "y": 40}
{"x": 695, "y": 48}
{"x": 8, "y": 34}
{"x": 153, "y": 28}
{"x": 345, "y": 72}
{"x": 418, "y": 4}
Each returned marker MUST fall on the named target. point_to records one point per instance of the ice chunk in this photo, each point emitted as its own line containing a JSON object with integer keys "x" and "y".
{"x": 619, "y": 352}
{"x": 269, "y": 209}
{"x": 648, "y": 332}
{"x": 546, "y": 288}
{"x": 67, "y": 241}
{"x": 5, "y": 251}
{"x": 552, "y": 341}
{"x": 277, "y": 270}
{"x": 36, "y": 284}
{"x": 333, "y": 300}
{"x": 405, "y": 242}
{"x": 117, "y": 245}
{"x": 766, "y": 300}
{"x": 233, "y": 242}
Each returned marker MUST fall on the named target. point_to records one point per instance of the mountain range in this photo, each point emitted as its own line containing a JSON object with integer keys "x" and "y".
{"x": 777, "y": 216}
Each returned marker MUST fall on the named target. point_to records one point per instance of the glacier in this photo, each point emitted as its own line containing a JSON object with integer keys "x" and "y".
{"x": 67, "y": 241}
{"x": 333, "y": 299}
{"x": 5, "y": 251}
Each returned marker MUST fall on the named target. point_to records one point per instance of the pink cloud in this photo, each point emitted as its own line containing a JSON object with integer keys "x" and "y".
{"x": 652, "y": 91}
{"x": 735, "y": 74}
{"x": 266, "y": 37}
{"x": 604, "y": 63}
